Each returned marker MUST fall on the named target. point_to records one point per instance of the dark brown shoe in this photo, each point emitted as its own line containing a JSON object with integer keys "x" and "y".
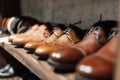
{"x": 99, "y": 66}
{"x": 93, "y": 41}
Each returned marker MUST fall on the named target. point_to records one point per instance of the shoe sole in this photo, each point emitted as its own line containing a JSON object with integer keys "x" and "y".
{"x": 42, "y": 56}
{"x": 29, "y": 50}
{"x": 18, "y": 45}
{"x": 81, "y": 77}
{"x": 61, "y": 67}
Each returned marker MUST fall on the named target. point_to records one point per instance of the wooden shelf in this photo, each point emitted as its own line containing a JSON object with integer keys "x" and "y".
{"x": 40, "y": 68}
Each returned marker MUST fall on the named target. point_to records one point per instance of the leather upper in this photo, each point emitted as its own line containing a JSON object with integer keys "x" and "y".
{"x": 101, "y": 64}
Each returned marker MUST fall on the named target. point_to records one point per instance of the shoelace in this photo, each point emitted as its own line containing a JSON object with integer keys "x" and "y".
{"x": 69, "y": 31}
{"x": 54, "y": 32}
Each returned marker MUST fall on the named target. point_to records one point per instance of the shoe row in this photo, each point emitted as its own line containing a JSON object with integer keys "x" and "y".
{"x": 54, "y": 35}
{"x": 18, "y": 24}
{"x": 91, "y": 52}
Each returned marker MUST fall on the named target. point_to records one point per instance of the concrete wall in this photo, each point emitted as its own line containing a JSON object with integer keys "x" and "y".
{"x": 69, "y": 11}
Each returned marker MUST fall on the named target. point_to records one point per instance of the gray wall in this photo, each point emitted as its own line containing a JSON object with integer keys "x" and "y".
{"x": 69, "y": 11}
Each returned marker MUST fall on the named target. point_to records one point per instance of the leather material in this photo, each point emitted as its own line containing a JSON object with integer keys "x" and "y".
{"x": 39, "y": 34}
{"x": 46, "y": 49}
{"x": 68, "y": 39}
{"x": 95, "y": 38}
{"x": 57, "y": 32}
{"x": 24, "y": 24}
{"x": 101, "y": 64}
{"x": 33, "y": 45}
{"x": 3, "y": 22}
{"x": 31, "y": 30}
{"x": 6, "y": 23}
{"x": 60, "y": 56}
{"x": 18, "y": 24}
{"x": 87, "y": 46}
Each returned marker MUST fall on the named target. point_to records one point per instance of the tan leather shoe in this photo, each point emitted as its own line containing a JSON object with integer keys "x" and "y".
{"x": 99, "y": 66}
{"x": 68, "y": 39}
{"x": 31, "y": 30}
{"x": 57, "y": 32}
{"x": 45, "y": 49}
{"x": 41, "y": 33}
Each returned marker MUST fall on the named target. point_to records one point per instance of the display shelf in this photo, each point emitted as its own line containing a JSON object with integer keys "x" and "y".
{"x": 39, "y": 67}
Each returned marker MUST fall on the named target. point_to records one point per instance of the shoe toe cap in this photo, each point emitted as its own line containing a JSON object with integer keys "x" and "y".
{"x": 32, "y": 45}
{"x": 45, "y": 49}
{"x": 66, "y": 55}
{"x": 94, "y": 66}
{"x": 28, "y": 45}
{"x": 22, "y": 40}
{"x": 11, "y": 38}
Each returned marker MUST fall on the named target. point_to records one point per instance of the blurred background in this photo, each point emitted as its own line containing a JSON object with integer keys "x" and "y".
{"x": 61, "y": 11}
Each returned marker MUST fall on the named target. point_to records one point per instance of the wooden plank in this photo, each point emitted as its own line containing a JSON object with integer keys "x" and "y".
{"x": 40, "y": 68}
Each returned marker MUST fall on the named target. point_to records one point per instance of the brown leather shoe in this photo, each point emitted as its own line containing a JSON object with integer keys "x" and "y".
{"x": 57, "y": 32}
{"x": 6, "y": 23}
{"x": 68, "y": 39}
{"x": 31, "y": 30}
{"x": 41, "y": 33}
{"x": 93, "y": 41}
{"x": 99, "y": 66}
{"x": 3, "y": 28}
{"x": 3, "y": 22}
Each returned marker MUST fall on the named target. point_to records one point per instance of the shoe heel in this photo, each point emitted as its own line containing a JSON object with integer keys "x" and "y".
{"x": 61, "y": 67}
